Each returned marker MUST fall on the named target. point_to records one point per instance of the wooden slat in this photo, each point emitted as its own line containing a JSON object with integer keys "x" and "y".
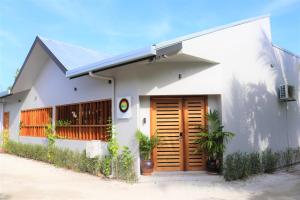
{"x": 194, "y": 118}
{"x": 34, "y": 121}
{"x": 171, "y": 116}
{"x": 166, "y": 122}
{"x": 89, "y": 121}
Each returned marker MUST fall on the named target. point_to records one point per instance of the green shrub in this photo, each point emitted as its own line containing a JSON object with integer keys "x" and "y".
{"x": 242, "y": 165}
{"x": 4, "y": 137}
{"x": 125, "y": 166}
{"x": 64, "y": 158}
{"x": 32, "y": 151}
{"x": 269, "y": 161}
{"x": 237, "y": 166}
{"x": 106, "y": 167}
{"x": 255, "y": 163}
{"x": 288, "y": 157}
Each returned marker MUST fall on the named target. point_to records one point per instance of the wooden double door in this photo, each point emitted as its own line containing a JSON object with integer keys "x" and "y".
{"x": 176, "y": 121}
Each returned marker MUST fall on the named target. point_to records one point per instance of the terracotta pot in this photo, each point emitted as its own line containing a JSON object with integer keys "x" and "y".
{"x": 2, "y": 150}
{"x": 146, "y": 167}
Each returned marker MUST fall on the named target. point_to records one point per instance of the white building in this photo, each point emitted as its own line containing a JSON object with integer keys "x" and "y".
{"x": 235, "y": 69}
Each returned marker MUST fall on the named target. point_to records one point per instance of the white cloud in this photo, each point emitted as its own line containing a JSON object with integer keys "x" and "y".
{"x": 279, "y": 6}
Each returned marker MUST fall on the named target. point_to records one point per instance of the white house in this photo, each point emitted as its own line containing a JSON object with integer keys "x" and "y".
{"x": 166, "y": 89}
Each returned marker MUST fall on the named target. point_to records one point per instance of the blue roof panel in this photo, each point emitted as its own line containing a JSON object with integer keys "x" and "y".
{"x": 72, "y": 56}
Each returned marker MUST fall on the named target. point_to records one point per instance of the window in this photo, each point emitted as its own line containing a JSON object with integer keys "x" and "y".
{"x": 84, "y": 121}
{"x": 34, "y": 121}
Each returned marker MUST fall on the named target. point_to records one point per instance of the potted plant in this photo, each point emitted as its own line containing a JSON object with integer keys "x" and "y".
{"x": 213, "y": 141}
{"x": 146, "y": 145}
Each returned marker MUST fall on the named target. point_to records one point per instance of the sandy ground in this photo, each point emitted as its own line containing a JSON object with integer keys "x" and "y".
{"x": 26, "y": 179}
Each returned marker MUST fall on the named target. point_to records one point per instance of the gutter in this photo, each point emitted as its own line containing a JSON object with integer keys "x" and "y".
{"x": 112, "y": 81}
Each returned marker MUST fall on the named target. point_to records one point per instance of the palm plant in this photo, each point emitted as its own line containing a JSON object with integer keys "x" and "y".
{"x": 146, "y": 144}
{"x": 213, "y": 139}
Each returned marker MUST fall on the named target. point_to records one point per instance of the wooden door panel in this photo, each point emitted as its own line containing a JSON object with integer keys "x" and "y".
{"x": 194, "y": 116}
{"x": 171, "y": 118}
{"x": 166, "y": 122}
{"x": 6, "y": 120}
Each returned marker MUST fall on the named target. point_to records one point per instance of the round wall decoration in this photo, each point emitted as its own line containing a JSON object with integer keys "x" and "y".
{"x": 124, "y": 105}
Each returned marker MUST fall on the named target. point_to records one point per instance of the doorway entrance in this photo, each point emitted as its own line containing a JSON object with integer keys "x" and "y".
{"x": 176, "y": 121}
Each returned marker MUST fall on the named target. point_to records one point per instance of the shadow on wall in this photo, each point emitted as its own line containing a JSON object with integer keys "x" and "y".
{"x": 252, "y": 108}
{"x": 255, "y": 116}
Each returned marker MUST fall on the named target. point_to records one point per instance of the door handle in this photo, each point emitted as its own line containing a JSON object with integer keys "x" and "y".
{"x": 180, "y": 136}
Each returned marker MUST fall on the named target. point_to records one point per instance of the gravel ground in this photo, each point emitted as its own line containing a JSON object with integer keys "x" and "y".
{"x": 27, "y": 179}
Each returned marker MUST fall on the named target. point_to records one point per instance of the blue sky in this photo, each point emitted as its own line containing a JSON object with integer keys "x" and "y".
{"x": 115, "y": 26}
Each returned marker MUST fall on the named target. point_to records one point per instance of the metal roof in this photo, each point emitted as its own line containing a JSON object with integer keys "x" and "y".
{"x": 72, "y": 56}
{"x": 149, "y": 51}
{"x": 125, "y": 58}
{"x": 66, "y": 56}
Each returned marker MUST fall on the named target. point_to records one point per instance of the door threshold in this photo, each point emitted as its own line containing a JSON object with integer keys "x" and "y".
{"x": 179, "y": 173}
{"x": 180, "y": 176}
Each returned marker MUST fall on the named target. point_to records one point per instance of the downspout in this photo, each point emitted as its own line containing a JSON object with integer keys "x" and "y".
{"x": 112, "y": 79}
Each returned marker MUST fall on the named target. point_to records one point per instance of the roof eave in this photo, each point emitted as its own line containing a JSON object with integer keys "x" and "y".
{"x": 5, "y": 94}
{"x": 47, "y": 50}
{"x": 119, "y": 60}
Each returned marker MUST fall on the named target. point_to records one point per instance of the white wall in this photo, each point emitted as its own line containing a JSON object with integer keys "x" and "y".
{"x": 248, "y": 85}
{"x": 52, "y": 88}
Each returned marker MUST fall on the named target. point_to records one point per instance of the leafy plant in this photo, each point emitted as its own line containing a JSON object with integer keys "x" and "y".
{"x": 269, "y": 161}
{"x": 60, "y": 157}
{"x": 255, "y": 163}
{"x": 242, "y": 165}
{"x": 112, "y": 145}
{"x": 125, "y": 168}
{"x": 106, "y": 166}
{"x": 63, "y": 123}
{"x": 5, "y": 138}
{"x": 213, "y": 139}
{"x": 78, "y": 161}
{"x": 51, "y": 136}
{"x": 146, "y": 144}
{"x": 121, "y": 166}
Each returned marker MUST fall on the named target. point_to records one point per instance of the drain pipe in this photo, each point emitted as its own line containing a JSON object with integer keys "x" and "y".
{"x": 112, "y": 81}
